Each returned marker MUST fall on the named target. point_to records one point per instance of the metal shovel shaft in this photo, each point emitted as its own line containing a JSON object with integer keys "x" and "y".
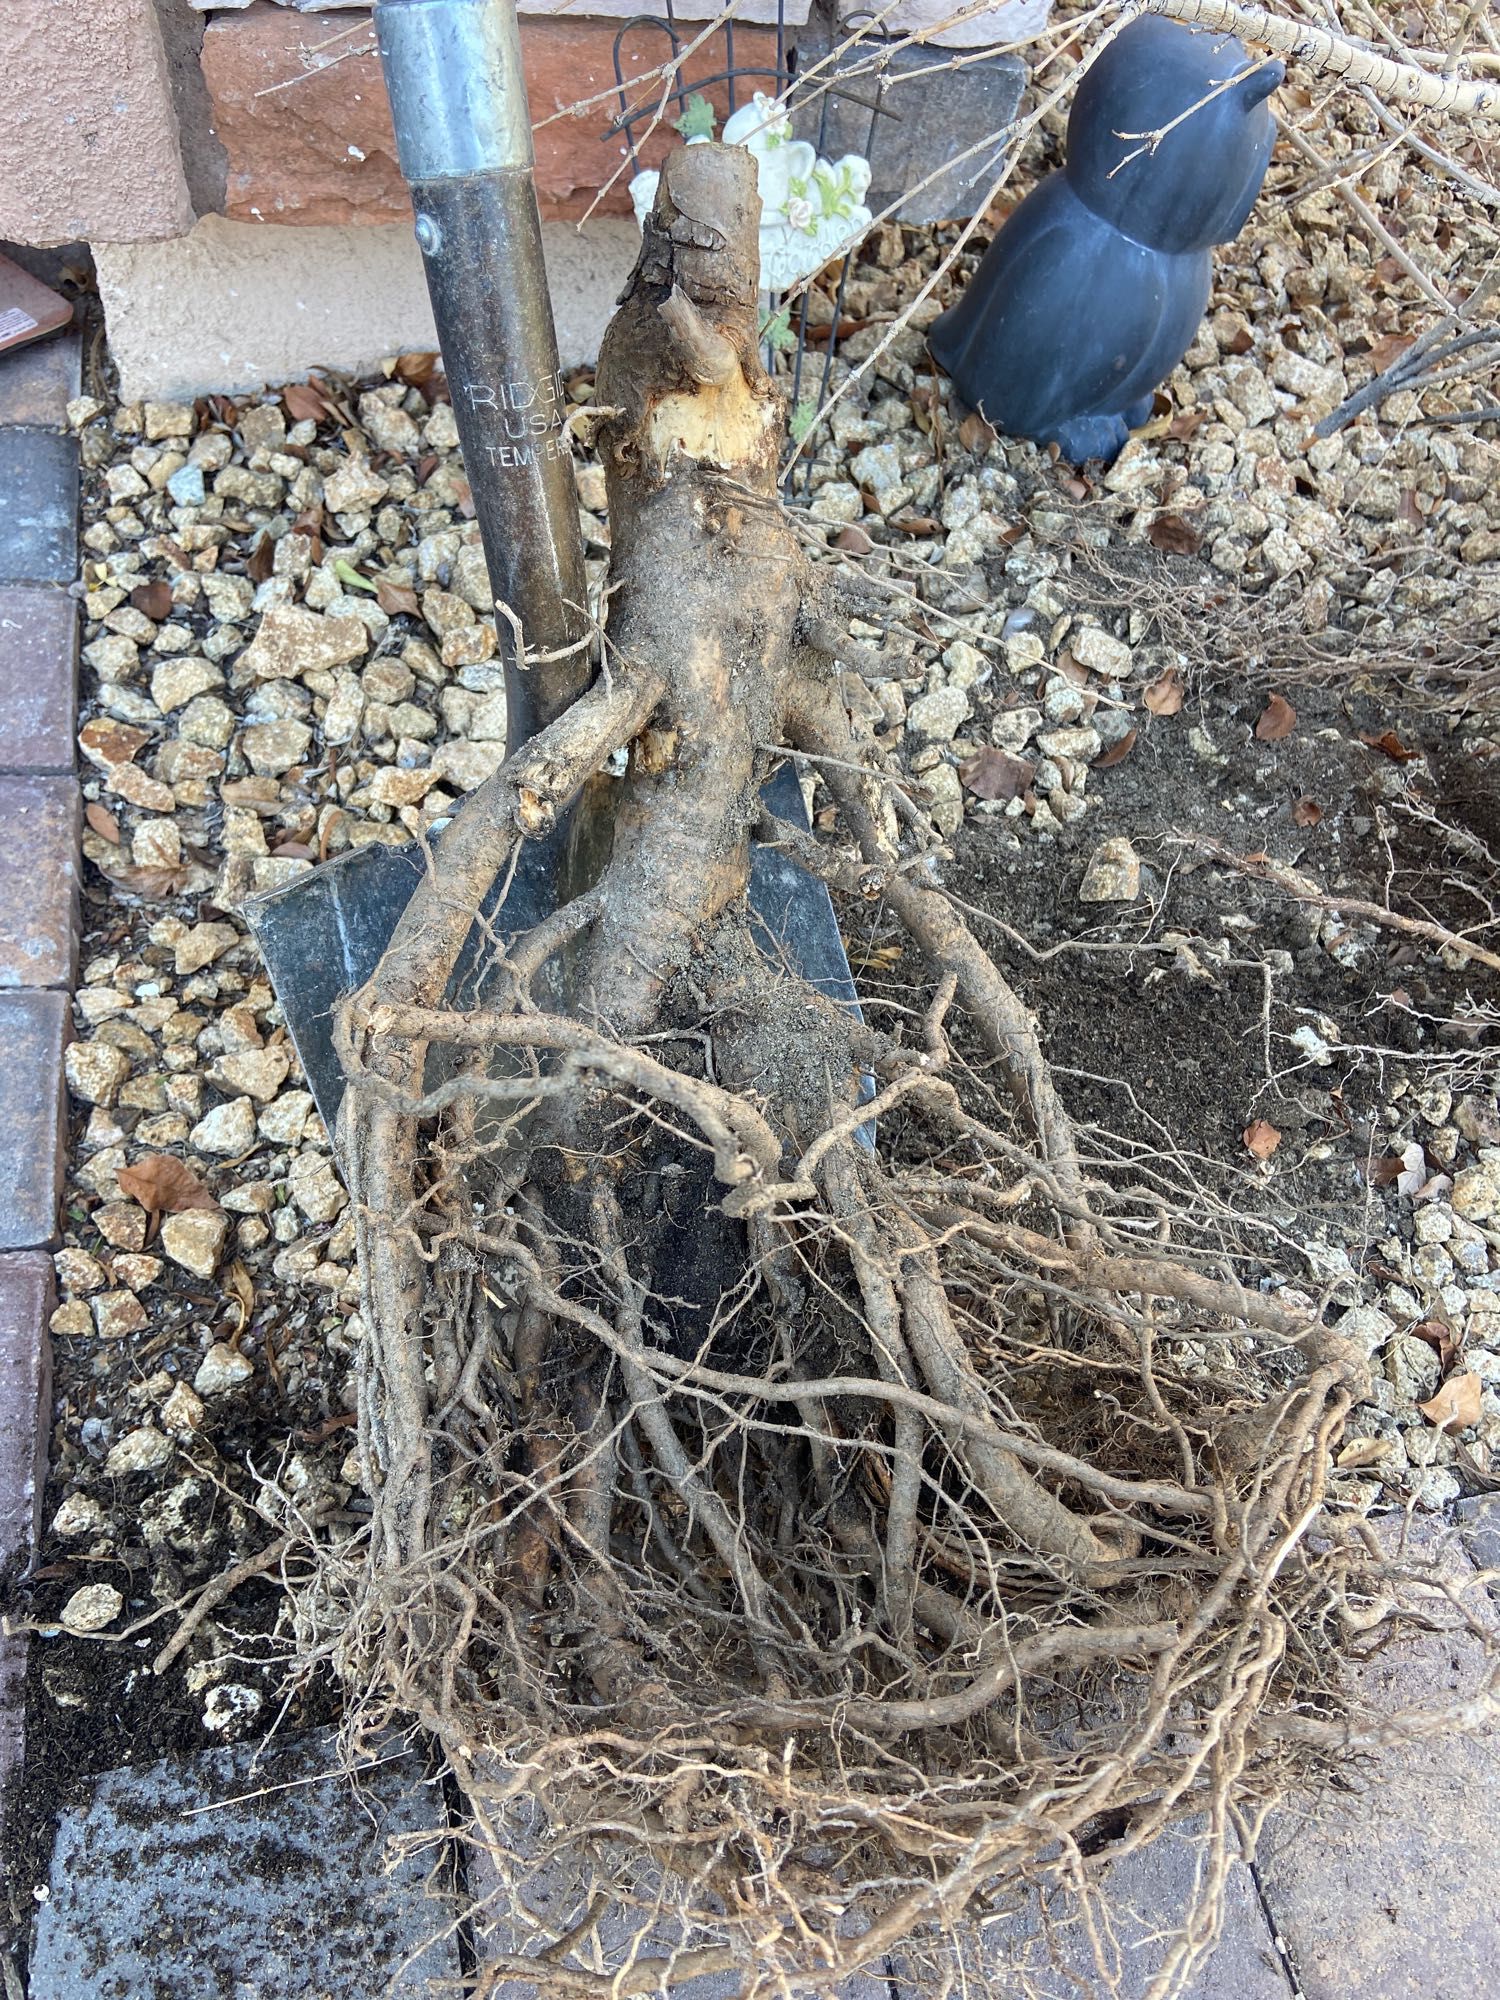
{"x": 463, "y": 133}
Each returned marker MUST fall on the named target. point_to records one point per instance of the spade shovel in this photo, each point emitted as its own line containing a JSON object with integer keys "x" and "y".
{"x": 463, "y": 133}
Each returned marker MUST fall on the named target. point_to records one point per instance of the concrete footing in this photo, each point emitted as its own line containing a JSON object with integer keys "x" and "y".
{"x": 235, "y": 306}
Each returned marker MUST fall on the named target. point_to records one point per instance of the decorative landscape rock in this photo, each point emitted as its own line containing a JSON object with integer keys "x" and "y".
{"x": 229, "y": 1129}
{"x": 291, "y": 642}
{"x": 92, "y": 1608}
{"x": 195, "y": 1239}
{"x": 141, "y": 1450}
{"x": 95, "y": 1071}
{"x": 223, "y": 1368}
{"x": 1113, "y": 874}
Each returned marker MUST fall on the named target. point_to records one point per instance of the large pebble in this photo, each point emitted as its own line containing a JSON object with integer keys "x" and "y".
{"x": 315, "y": 1187}
{"x": 117, "y": 1313}
{"x": 228, "y": 1130}
{"x": 79, "y": 1514}
{"x": 1099, "y": 651}
{"x": 292, "y": 641}
{"x": 937, "y": 717}
{"x": 1476, "y": 1191}
{"x": 95, "y": 1071}
{"x": 92, "y": 1608}
{"x": 1113, "y": 874}
{"x": 272, "y": 748}
{"x": 195, "y": 1239}
{"x": 1367, "y": 1326}
{"x": 144, "y": 1449}
{"x": 257, "y": 1073}
{"x": 178, "y": 681}
{"x": 201, "y": 946}
{"x": 223, "y": 1368}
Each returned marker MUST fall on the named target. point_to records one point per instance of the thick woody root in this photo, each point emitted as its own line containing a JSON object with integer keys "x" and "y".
{"x": 821, "y": 1511}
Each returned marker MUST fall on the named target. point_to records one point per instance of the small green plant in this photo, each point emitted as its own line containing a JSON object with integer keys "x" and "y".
{"x": 350, "y": 577}
{"x": 698, "y": 118}
{"x": 776, "y": 331}
{"x": 803, "y": 418}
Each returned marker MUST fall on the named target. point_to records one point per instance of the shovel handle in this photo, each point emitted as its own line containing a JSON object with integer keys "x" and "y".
{"x": 463, "y": 135}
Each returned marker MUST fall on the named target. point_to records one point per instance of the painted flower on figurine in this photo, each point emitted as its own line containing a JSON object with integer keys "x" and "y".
{"x": 811, "y": 209}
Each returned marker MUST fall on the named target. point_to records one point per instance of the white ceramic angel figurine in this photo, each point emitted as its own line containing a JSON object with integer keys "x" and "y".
{"x": 811, "y": 209}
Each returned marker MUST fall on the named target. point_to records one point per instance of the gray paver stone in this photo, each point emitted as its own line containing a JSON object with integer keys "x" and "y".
{"x": 1045, "y": 1952}
{"x": 25, "y": 1399}
{"x": 1479, "y": 1527}
{"x": 25, "y": 1391}
{"x": 38, "y": 679}
{"x": 38, "y": 382}
{"x": 1388, "y": 1886}
{"x": 12, "y": 1713}
{"x": 558, "y": 1883}
{"x": 33, "y": 1029}
{"x": 275, "y": 1895}
{"x": 41, "y": 820}
{"x": 38, "y": 507}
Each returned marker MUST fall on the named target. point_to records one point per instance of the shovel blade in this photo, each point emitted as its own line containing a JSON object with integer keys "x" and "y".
{"x": 324, "y": 934}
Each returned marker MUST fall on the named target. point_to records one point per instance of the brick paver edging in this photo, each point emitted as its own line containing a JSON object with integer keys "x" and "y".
{"x": 40, "y": 816}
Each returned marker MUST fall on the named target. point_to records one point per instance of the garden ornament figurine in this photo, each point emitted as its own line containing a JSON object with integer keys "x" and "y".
{"x": 1092, "y": 291}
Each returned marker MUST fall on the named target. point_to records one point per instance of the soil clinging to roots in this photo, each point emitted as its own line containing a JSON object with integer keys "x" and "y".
{"x": 805, "y": 1503}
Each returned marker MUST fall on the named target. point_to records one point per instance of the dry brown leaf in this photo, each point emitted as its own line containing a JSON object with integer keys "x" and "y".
{"x": 996, "y": 774}
{"x": 1164, "y": 697}
{"x": 1390, "y": 347}
{"x": 414, "y": 369}
{"x": 1389, "y": 744}
{"x": 103, "y": 821}
{"x": 153, "y": 600}
{"x": 1117, "y": 752}
{"x": 1174, "y": 535}
{"x": 259, "y": 562}
{"x": 1456, "y": 1406}
{"x": 303, "y": 402}
{"x": 241, "y": 1289}
{"x": 1261, "y": 1138}
{"x": 975, "y": 434}
{"x": 1306, "y": 812}
{"x": 156, "y": 885}
{"x": 394, "y": 598}
{"x": 854, "y": 541}
{"x": 163, "y": 1185}
{"x": 1439, "y": 1335}
{"x": 1278, "y": 720}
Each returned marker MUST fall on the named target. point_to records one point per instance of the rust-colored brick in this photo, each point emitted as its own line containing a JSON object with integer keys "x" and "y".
{"x": 300, "y": 107}
{"x": 42, "y": 820}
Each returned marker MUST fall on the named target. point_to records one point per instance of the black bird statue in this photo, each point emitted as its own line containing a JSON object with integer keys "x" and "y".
{"x": 1091, "y": 293}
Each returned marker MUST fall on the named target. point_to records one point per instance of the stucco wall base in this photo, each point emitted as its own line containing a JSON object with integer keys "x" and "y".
{"x": 238, "y": 305}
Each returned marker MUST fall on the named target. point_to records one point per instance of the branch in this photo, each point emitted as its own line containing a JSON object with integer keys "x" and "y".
{"x": 1050, "y": 1652}
{"x": 709, "y": 358}
{"x": 1399, "y": 83}
{"x": 1262, "y": 868}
